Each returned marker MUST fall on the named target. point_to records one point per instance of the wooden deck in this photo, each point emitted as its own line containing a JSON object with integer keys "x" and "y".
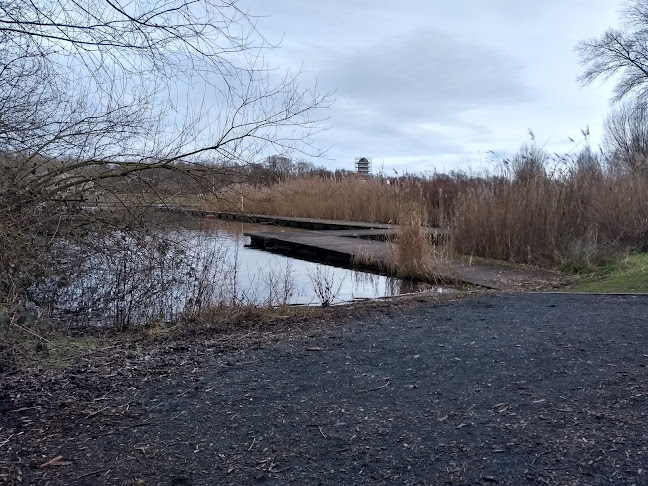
{"x": 339, "y": 242}
{"x": 286, "y": 221}
{"x": 341, "y": 247}
{"x": 303, "y": 223}
{"x": 320, "y": 246}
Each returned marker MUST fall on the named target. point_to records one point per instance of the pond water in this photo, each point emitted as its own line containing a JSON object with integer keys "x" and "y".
{"x": 311, "y": 283}
{"x": 207, "y": 263}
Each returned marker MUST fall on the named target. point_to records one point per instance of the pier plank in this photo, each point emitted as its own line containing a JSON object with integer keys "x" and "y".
{"x": 304, "y": 223}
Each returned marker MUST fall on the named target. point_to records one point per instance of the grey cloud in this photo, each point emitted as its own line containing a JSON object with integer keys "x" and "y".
{"x": 425, "y": 73}
{"x": 359, "y": 134}
{"x": 387, "y": 91}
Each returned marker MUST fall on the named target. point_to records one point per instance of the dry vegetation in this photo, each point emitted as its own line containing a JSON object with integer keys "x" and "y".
{"x": 92, "y": 138}
{"x": 349, "y": 198}
{"x": 85, "y": 165}
{"x": 575, "y": 214}
{"x": 412, "y": 253}
{"x": 569, "y": 211}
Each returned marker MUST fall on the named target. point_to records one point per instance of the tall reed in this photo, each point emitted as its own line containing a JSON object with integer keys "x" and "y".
{"x": 411, "y": 254}
{"x": 577, "y": 211}
{"x": 375, "y": 200}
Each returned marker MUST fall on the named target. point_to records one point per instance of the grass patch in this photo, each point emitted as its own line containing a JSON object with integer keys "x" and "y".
{"x": 233, "y": 317}
{"x": 628, "y": 274}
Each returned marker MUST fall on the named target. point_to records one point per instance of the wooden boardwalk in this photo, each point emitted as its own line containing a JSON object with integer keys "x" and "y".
{"x": 303, "y": 223}
{"x": 286, "y": 221}
{"x": 341, "y": 242}
{"x": 342, "y": 247}
{"x": 320, "y": 246}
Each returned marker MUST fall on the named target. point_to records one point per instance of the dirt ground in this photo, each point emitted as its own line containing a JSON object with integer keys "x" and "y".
{"x": 494, "y": 389}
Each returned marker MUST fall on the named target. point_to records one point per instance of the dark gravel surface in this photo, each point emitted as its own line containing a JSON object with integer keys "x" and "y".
{"x": 499, "y": 389}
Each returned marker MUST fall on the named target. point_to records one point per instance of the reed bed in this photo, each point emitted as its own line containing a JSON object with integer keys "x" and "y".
{"x": 574, "y": 215}
{"x": 374, "y": 200}
{"x": 570, "y": 211}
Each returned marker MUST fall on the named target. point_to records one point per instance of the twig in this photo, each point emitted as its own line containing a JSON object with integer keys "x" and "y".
{"x": 320, "y": 429}
{"x": 91, "y": 473}
{"x": 588, "y": 455}
{"x": 177, "y": 396}
{"x": 51, "y": 462}
{"x": 22, "y": 409}
{"x": 121, "y": 429}
{"x": 184, "y": 393}
{"x": 252, "y": 445}
{"x": 97, "y": 412}
{"x": 6, "y": 440}
{"x": 33, "y": 334}
{"x": 58, "y": 225}
{"x": 537, "y": 457}
{"x": 377, "y": 388}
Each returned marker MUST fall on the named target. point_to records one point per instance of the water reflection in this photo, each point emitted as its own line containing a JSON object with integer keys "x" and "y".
{"x": 205, "y": 263}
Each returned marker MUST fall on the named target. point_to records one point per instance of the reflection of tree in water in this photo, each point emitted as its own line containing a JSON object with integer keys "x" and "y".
{"x": 393, "y": 286}
{"x": 191, "y": 271}
{"x": 407, "y": 286}
{"x": 363, "y": 280}
{"x": 198, "y": 267}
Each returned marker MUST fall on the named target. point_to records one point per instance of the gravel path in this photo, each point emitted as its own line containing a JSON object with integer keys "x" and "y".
{"x": 499, "y": 389}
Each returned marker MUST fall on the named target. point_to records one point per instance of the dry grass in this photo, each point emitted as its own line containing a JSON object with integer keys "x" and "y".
{"x": 352, "y": 198}
{"x": 29, "y": 340}
{"x": 544, "y": 210}
{"x": 412, "y": 254}
{"x": 574, "y": 215}
{"x": 368, "y": 259}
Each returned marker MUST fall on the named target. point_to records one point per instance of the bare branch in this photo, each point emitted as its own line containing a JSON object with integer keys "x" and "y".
{"x": 112, "y": 99}
{"x": 621, "y": 54}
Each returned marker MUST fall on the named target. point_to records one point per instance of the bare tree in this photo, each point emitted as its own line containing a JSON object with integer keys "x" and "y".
{"x": 626, "y": 135}
{"x": 620, "y": 53}
{"x": 148, "y": 83}
{"x": 95, "y": 94}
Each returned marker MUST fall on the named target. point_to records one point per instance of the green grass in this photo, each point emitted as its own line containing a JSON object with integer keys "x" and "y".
{"x": 627, "y": 274}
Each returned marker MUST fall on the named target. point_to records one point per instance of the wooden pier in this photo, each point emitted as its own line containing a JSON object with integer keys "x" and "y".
{"x": 321, "y": 247}
{"x": 342, "y": 248}
{"x": 341, "y": 243}
{"x": 285, "y": 221}
{"x": 303, "y": 223}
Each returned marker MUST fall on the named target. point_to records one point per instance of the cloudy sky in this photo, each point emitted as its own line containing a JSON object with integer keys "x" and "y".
{"x": 424, "y": 85}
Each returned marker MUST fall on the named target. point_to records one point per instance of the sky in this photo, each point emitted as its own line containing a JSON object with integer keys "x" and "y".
{"x": 440, "y": 85}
